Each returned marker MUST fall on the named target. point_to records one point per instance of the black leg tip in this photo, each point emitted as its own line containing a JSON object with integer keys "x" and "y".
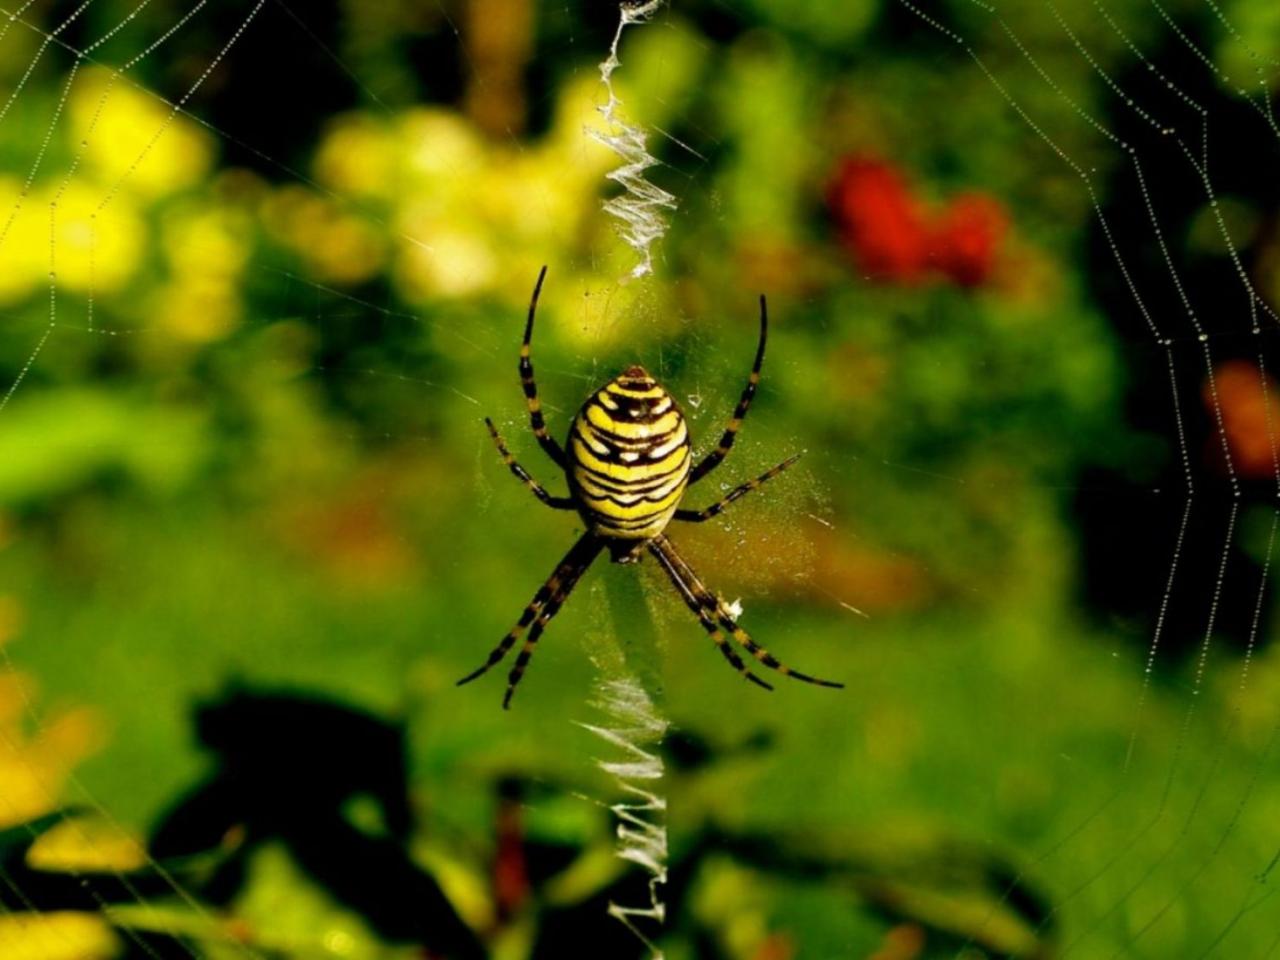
{"x": 834, "y": 685}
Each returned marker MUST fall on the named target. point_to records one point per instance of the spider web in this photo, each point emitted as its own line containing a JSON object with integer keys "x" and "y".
{"x": 112, "y": 115}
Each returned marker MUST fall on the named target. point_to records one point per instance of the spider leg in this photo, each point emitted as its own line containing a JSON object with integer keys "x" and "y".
{"x": 673, "y": 566}
{"x": 569, "y": 579}
{"x": 712, "y": 459}
{"x": 712, "y": 606}
{"x": 697, "y": 516}
{"x": 547, "y": 442}
{"x": 569, "y": 569}
{"x": 556, "y": 503}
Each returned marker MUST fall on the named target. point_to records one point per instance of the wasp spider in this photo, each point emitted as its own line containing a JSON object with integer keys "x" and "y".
{"x": 628, "y": 464}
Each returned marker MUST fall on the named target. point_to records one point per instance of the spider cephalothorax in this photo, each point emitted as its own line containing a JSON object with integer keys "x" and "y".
{"x": 628, "y": 463}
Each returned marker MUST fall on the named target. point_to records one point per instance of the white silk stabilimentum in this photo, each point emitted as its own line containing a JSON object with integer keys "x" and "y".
{"x": 636, "y": 728}
{"x": 641, "y": 204}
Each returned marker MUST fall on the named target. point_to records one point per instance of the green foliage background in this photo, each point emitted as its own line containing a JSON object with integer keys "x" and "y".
{"x": 251, "y": 453}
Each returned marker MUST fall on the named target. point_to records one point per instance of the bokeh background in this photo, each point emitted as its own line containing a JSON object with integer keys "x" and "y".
{"x": 263, "y": 271}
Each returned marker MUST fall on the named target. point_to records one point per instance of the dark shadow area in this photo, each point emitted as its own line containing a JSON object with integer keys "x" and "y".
{"x": 1130, "y": 534}
{"x": 286, "y": 767}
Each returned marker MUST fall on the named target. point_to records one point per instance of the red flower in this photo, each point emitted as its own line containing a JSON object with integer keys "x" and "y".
{"x": 967, "y": 239}
{"x": 893, "y": 238}
{"x": 879, "y": 220}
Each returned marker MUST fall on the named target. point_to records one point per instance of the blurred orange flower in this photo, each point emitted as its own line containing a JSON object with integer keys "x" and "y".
{"x": 1250, "y": 413}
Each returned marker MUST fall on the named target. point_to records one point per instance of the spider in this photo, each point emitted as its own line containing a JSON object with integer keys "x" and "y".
{"x": 627, "y": 466}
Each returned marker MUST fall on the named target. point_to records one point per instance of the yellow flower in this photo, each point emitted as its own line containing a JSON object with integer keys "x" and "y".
{"x": 59, "y": 228}
{"x": 133, "y": 138}
{"x": 345, "y": 251}
{"x": 197, "y": 308}
{"x": 95, "y": 249}
{"x": 56, "y": 936}
{"x": 463, "y": 213}
{"x": 86, "y": 844}
{"x": 207, "y": 248}
{"x": 583, "y": 158}
{"x": 211, "y": 241}
{"x": 338, "y": 247}
{"x": 357, "y": 157}
{"x": 21, "y": 269}
{"x": 33, "y": 769}
{"x": 456, "y": 264}
{"x": 440, "y": 149}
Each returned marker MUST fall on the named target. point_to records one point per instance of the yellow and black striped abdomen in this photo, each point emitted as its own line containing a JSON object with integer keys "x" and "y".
{"x": 629, "y": 457}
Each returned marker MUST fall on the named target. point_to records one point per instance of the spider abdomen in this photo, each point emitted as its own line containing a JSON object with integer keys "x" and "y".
{"x": 629, "y": 457}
